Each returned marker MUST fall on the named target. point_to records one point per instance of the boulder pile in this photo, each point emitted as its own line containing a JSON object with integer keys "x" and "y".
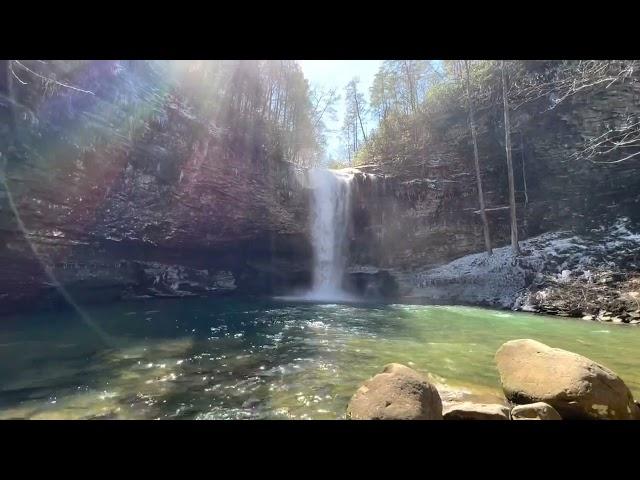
{"x": 577, "y": 387}
{"x": 539, "y": 383}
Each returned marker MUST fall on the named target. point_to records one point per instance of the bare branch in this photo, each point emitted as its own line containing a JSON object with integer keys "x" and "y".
{"x": 618, "y": 161}
{"x": 48, "y": 79}
{"x": 572, "y": 79}
{"x": 16, "y": 76}
{"x": 625, "y": 136}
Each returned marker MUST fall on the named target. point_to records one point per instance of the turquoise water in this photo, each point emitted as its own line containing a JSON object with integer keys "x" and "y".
{"x": 231, "y": 359}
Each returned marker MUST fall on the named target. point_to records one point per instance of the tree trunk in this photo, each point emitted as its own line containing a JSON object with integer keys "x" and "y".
{"x": 507, "y": 141}
{"x": 364, "y": 135}
{"x": 524, "y": 174}
{"x": 355, "y": 136}
{"x": 6, "y": 91}
{"x": 483, "y": 213}
{"x": 412, "y": 96}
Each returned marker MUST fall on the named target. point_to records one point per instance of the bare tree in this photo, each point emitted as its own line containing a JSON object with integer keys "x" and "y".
{"x": 364, "y": 135}
{"x": 559, "y": 83}
{"x": 483, "y": 213}
{"x": 358, "y": 102}
{"x": 323, "y": 103}
{"x": 354, "y": 110}
{"x": 507, "y": 139}
{"x": 625, "y": 138}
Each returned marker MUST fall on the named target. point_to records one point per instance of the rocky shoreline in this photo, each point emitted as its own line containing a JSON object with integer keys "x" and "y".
{"x": 539, "y": 383}
{"x": 590, "y": 276}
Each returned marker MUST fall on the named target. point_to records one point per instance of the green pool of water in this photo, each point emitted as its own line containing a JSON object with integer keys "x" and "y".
{"x": 230, "y": 359}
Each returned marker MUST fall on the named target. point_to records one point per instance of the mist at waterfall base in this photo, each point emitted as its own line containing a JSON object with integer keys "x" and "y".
{"x": 329, "y": 227}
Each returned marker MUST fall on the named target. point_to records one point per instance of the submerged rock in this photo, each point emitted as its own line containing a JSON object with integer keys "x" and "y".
{"x": 398, "y": 393}
{"x": 535, "y": 411}
{"x": 475, "y": 411}
{"x": 577, "y": 387}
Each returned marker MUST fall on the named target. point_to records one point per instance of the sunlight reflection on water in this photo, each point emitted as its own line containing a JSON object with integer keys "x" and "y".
{"x": 266, "y": 359}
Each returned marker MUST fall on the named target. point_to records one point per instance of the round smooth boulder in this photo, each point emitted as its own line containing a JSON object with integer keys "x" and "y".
{"x": 398, "y": 393}
{"x": 535, "y": 411}
{"x": 475, "y": 411}
{"x": 578, "y": 388}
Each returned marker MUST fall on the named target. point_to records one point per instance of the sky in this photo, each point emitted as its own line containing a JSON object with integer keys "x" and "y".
{"x": 336, "y": 74}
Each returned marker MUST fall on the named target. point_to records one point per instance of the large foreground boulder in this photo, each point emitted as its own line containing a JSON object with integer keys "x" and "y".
{"x": 578, "y": 388}
{"x": 475, "y": 411}
{"x": 535, "y": 411}
{"x": 398, "y": 393}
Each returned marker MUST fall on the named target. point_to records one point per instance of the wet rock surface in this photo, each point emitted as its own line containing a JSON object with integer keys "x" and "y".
{"x": 372, "y": 283}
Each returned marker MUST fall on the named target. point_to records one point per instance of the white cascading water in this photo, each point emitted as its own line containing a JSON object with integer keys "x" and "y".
{"x": 330, "y": 214}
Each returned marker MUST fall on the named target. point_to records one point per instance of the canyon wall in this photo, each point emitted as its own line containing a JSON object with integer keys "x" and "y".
{"x": 427, "y": 215}
{"x": 112, "y": 206}
{"x": 125, "y": 192}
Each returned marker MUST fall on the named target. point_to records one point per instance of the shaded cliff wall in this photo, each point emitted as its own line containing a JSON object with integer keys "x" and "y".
{"x": 415, "y": 217}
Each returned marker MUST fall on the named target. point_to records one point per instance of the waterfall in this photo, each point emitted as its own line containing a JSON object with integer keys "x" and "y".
{"x": 330, "y": 215}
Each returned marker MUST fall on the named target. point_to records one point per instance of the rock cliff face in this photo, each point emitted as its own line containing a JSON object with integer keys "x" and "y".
{"x": 425, "y": 216}
{"x": 110, "y": 205}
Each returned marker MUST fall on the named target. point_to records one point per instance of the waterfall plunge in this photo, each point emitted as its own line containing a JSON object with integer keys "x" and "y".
{"x": 330, "y": 215}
